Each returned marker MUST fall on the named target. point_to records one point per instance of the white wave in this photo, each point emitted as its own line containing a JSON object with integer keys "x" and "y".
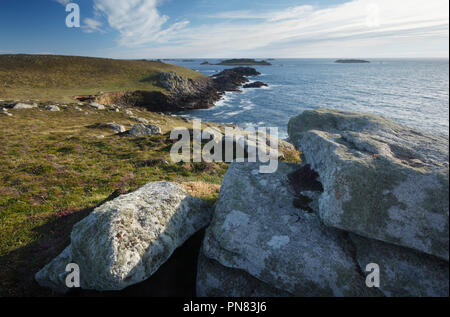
{"x": 226, "y": 98}
{"x": 233, "y": 113}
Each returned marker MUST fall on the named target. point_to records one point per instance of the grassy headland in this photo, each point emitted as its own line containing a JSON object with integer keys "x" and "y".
{"x": 59, "y": 78}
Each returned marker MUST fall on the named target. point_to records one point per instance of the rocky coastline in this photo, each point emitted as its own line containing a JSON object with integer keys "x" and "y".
{"x": 382, "y": 199}
{"x": 180, "y": 93}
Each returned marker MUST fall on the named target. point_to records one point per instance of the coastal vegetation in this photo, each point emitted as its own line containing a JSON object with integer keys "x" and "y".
{"x": 60, "y": 78}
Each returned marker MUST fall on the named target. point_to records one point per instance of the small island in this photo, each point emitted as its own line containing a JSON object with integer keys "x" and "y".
{"x": 244, "y": 62}
{"x": 256, "y": 84}
{"x": 352, "y": 61}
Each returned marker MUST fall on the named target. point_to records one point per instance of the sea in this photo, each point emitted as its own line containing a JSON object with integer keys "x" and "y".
{"x": 413, "y": 92}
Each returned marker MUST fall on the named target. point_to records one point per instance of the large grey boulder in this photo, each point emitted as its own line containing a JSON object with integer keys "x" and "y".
{"x": 216, "y": 280}
{"x": 143, "y": 130}
{"x": 403, "y": 272}
{"x": 381, "y": 180}
{"x": 257, "y": 229}
{"x": 125, "y": 241}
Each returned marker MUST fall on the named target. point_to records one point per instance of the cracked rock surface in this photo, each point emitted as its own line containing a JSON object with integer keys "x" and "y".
{"x": 381, "y": 180}
{"x": 263, "y": 234}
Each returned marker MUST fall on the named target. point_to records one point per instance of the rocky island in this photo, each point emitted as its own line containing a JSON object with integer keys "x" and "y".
{"x": 256, "y": 84}
{"x": 244, "y": 62}
{"x": 352, "y": 61}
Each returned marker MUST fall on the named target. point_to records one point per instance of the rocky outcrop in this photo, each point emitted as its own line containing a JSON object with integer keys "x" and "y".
{"x": 381, "y": 180}
{"x": 178, "y": 93}
{"x": 256, "y": 84}
{"x": 232, "y": 79}
{"x": 125, "y": 241}
{"x": 143, "y": 130}
{"x": 257, "y": 229}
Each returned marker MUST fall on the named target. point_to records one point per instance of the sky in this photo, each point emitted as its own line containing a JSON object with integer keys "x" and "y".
{"x": 132, "y": 29}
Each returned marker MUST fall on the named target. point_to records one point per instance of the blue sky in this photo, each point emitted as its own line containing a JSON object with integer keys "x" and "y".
{"x": 232, "y": 28}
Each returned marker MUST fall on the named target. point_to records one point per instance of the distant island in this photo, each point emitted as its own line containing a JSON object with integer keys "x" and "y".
{"x": 352, "y": 61}
{"x": 244, "y": 62}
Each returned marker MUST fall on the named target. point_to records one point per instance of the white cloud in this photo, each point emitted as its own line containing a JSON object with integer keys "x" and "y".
{"x": 92, "y": 25}
{"x": 138, "y": 21}
{"x": 358, "y": 28}
{"x": 63, "y": 2}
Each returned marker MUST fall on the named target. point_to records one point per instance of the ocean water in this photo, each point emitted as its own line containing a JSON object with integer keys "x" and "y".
{"x": 410, "y": 91}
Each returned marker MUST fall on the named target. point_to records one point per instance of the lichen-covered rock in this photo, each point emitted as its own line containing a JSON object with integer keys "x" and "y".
{"x": 381, "y": 180}
{"x": 21, "y": 106}
{"x": 403, "y": 272}
{"x": 143, "y": 130}
{"x": 97, "y": 106}
{"x": 216, "y": 280}
{"x": 125, "y": 241}
{"x": 116, "y": 127}
{"x": 141, "y": 120}
{"x": 257, "y": 229}
{"x": 52, "y": 108}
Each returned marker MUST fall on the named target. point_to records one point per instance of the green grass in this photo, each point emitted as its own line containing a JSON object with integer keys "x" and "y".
{"x": 54, "y": 171}
{"x": 60, "y": 78}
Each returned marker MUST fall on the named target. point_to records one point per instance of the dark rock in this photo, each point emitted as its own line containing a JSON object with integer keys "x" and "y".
{"x": 232, "y": 79}
{"x": 180, "y": 93}
{"x": 244, "y": 62}
{"x": 351, "y": 61}
{"x": 256, "y": 84}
